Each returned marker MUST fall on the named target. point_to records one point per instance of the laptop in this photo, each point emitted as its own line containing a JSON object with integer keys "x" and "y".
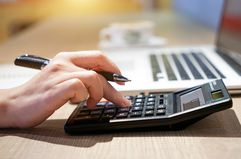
{"x": 171, "y": 69}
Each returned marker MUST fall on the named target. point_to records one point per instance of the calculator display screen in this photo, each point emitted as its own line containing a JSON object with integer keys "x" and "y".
{"x": 217, "y": 95}
{"x": 192, "y": 99}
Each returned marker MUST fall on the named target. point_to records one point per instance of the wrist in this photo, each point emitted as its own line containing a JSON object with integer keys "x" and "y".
{"x": 6, "y": 118}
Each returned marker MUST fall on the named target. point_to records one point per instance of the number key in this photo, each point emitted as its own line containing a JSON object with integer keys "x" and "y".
{"x": 122, "y": 115}
{"x": 136, "y": 114}
{"x": 149, "y": 113}
{"x": 160, "y": 112}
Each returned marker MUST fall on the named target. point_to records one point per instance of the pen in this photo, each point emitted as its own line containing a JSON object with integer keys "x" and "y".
{"x": 36, "y": 62}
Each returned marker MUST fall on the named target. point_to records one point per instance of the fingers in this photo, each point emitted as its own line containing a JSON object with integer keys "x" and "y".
{"x": 94, "y": 60}
{"x": 94, "y": 85}
{"x": 88, "y": 60}
{"x": 91, "y": 82}
{"x": 111, "y": 94}
{"x": 98, "y": 88}
{"x": 80, "y": 92}
{"x": 73, "y": 90}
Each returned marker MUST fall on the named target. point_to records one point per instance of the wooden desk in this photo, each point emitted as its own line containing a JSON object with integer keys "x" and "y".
{"x": 217, "y": 136}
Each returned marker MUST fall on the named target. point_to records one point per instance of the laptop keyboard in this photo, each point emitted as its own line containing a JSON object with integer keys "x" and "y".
{"x": 183, "y": 73}
{"x": 155, "y": 67}
{"x": 169, "y": 70}
{"x": 192, "y": 68}
{"x": 184, "y": 66}
{"x": 205, "y": 69}
{"x": 219, "y": 73}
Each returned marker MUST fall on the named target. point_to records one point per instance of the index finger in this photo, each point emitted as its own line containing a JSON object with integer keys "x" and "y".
{"x": 94, "y": 60}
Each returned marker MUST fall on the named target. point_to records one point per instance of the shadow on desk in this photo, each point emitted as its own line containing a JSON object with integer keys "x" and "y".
{"x": 222, "y": 124}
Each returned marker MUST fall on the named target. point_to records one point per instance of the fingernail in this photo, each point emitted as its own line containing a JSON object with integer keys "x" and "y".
{"x": 121, "y": 83}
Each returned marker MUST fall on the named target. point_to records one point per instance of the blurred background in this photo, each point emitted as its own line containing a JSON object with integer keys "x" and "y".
{"x": 19, "y": 15}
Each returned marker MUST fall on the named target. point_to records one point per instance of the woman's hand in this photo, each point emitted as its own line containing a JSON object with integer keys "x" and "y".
{"x": 70, "y": 77}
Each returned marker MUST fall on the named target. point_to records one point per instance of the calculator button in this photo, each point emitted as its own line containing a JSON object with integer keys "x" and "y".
{"x": 124, "y": 109}
{"x": 139, "y": 100}
{"x": 110, "y": 104}
{"x": 137, "y": 108}
{"x": 136, "y": 114}
{"x": 84, "y": 112}
{"x": 96, "y": 112}
{"x": 101, "y": 104}
{"x": 87, "y": 119}
{"x": 109, "y": 111}
{"x": 150, "y": 107}
{"x": 150, "y": 103}
{"x": 122, "y": 115}
{"x": 161, "y": 106}
{"x": 106, "y": 117}
{"x": 160, "y": 112}
{"x": 149, "y": 112}
{"x": 151, "y": 95}
{"x": 138, "y": 104}
{"x": 150, "y": 99}
{"x": 140, "y": 96}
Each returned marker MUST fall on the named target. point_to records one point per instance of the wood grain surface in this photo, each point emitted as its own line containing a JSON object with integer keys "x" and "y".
{"x": 217, "y": 136}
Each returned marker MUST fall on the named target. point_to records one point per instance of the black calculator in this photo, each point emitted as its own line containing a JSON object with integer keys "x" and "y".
{"x": 171, "y": 111}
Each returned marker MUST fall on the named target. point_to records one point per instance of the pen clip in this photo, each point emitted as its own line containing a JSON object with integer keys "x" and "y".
{"x": 34, "y": 56}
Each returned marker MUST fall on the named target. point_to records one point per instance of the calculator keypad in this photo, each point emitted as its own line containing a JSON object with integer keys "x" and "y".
{"x": 142, "y": 106}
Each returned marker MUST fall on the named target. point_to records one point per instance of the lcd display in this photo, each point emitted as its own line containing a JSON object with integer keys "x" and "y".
{"x": 217, "y": 95}
{"x": 192, "y": 99}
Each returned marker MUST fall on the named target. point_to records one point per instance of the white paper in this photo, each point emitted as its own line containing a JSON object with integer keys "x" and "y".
{"x": 12, "y": 76}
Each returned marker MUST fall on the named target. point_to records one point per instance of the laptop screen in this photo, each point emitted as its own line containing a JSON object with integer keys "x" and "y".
{"x": 229, "y": 36}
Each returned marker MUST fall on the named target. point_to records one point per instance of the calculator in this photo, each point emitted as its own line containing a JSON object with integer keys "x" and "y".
{"x": 153, "y": 111}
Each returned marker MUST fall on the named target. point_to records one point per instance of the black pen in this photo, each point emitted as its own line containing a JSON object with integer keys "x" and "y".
{"x": 36, "y": 62}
